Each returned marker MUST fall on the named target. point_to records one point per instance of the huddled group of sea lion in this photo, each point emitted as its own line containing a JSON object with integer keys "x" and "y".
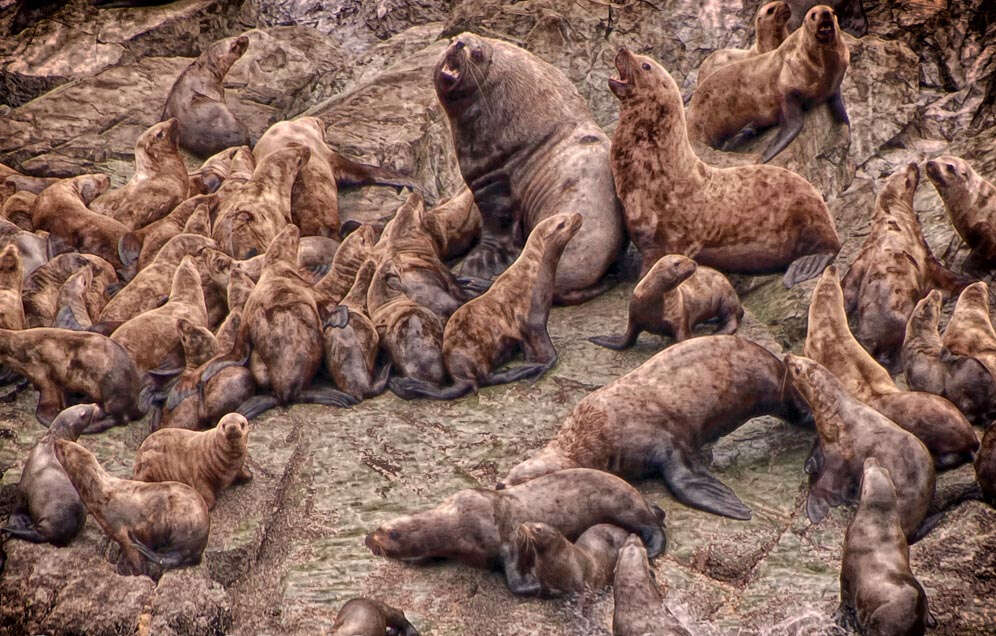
{"x": 204, "y": 298}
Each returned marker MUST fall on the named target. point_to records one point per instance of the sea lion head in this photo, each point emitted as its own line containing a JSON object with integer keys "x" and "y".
{"x": 632, "y": 560}
{"x": 90, "y": 186}
{"x": 158, "y": 142}
{"x": 462, "y": 69}
{"x": 235, "y": 428}
{"x": 901, "y": 185}
{"x": 556, "y": 231}
{"x": 877, "y": 489}
{"x": 950, "y": 175}
{"x": 240, "y": 286}
{"x": 975, "y": 296}
{"x": 223, "y": 53}
{"x": 283, "y": 248}
{"x": 216, "y": 264}
{"x": 642, "y": 78}
{"x": 10, "y": 265}
{"x": 243, "y": 164}
{"x": 70, "y": 423}
{"x": 671, "y": 270}
{"x": 818, "y": 388}
{"x": 927, "y": 312}
{"x": 828, "y": 292}
{"x": 821, "y": 23}
{"x": 198, "y": 343}
{"x": 771, "y": 24}
{"x": 407, "y": 219}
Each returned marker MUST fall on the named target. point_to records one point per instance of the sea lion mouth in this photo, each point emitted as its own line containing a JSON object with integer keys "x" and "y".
{"x": 624, "y": 65}
{"x": 934, "y": 172}
{"x": 783, "y": 12}
{"x": 826, "y": 31}
{"x": 451, "y": 70}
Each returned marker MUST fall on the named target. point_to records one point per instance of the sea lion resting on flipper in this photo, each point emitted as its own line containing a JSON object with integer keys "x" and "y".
{"x": 655, "y": 419}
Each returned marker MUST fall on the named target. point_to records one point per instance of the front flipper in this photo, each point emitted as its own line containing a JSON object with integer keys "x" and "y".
{"x": 806, "y": 267}
{"x": 693, "y": 486}
{"x": 790, "y": 127}
{"x": 472, "y": 285}
{"x": 486, "y": 261}
{"x": 837, "y": 108}
{"x": 22, "y": 527}
{"x": 617, "y": 342}
{"x": 327, "y": 396}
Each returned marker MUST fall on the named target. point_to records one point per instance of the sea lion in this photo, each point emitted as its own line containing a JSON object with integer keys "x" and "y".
{"x": 354, "y": 250}
{"x": 71, "y": 312}
{"x": 655, "y": 419}
{"x": 931, "y": 367}
{"x": 211, "y": 173}
{"x": 770, "y": 30}
{"x": 240, "y": 286}
{"x": 197, "y": 101}
{"x": 774, "y": 88}
{"x": 49, "y": 510}
{"x": 471, "y": 525}
{"x": 369, "y": 617}
{"x": 639, "y": 605}
{"x": 17, "y": 209}
{"x": 985, "y": 465}
{"x": 159, "y": 183}
{"x": 40, "y": 292}
{"x": 11, "y": 280}
{"x": 970, "y": 201}
{"x": 59, "y": 362}
{"x": 749, "y": 219}
{"x": 970, "y": 330}
{"x": 164, "y": 522}
{"x": 849, "y": 431}
{"x": 454, "y": 224}
{"x": 512, "y": 314}
{"x": 935, "y": 421}
{"x": 538, "y": 559}
{"x": 199, "y": 222}
{"x": 850, "y": 14}
{"x": 672, "y": 298}
{"x": 525, "y": 164}
{"x": 877, "y": 586}
{"x": 208, "y": 461}
{"x": 893, "y": 271}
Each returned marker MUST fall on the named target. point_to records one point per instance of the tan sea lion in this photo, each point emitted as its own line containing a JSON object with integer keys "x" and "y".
{"x": 454, "y": 224}
{"x": 877, "y": 586}
{"x": 774, "y": 88}
{"x": 850, "y": 14}
{"x": 166, "y": 523}
{"x": 935, "y": 421}
{"x": 931, "y": 367}
{"x": 240, "y": 286}
{"x": 970, "y": 201}
{"x": 471, "y": 525}
{"x": 849, "y": 432}
{"x": 511, "y": 315}
{"x": 368, "y": 617}
{"x": 212, "y": 173}
{"x": 985, "y": 465}
{"x": 159, "y": 183}
{"x": 197, "y": 100}
{"x": 770, "y": 30}
{"x": 654, "y": 420}
{"x": 749, "y": 219}
{"x": 525, "y": 164}
{"x": 199, "y": 222}
{"x": 11, "y": 281}
{"x": 354, "y": 250}
{"x": 970, "y": 330}
{"x": 639, "y": 605}
{"x": 207, "y": 461}
{"x": 48, "y": 508}
{"x": 672, "y": 298}
{"x": 538, "y": 559}
{"x": 40, "y": 292}
{"x": 893, "y": 271}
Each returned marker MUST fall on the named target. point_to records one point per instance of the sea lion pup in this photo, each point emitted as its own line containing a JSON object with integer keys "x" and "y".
{"x": 935, "y": 421}
{"x": 11, "y": 280}
{"x": 315, "y": 198}
{"x": 351, "y": 350}
{"x": 893, "y": 271}
{"x": 249, "y": 218}
{"x": 970, "y": 201}
{"x": 526, "y": 164}
{"x": 60, "y": 362}
{"x": 159, "y": 183}
{"x": 639, "y": 605}
{"x": 369, "y": 617}
{"x": 672, "y": 298}
{"x": 484, "y": 333}
{"x": 197, "y": 101}
{"x": 166, "y": 522}
{"x": 655, "y": 419}
{"x": 750, "y": 219}
{"x": 850, "y": 431}
{"x": 769, "y": 31}
{"x": 774, "y": 88}
{"x": 40, "y": 292}
{"x": 354, "y": 250}
{"x": 877, "y": 586}
{"x": 931, "y": 367}
{"x": 850, "y": 14}
{"x": 970, "y": 330}
{"x": 985, "y": 465}
{"x": 538, "y": 559}
{"x": 72, "y": 312}
{"x": 208, "y": 461}
{"x": 454, "y": 224}
{"x": 471, "y": 525}
{"x": 48, "y": 508}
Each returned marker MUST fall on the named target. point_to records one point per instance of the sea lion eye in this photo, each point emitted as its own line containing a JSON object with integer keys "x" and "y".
{"x": 394, "y": 535}
{"x": 770, "y": 10}
{"x": 477, "y": 55}
{"x": 646, "y": 66}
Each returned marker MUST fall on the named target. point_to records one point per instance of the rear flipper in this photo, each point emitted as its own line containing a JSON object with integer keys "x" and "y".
{"x": 517, "y": 373}
{"x": 473, "y": 286}
{"x": 325, "y": 395}
{"x": 380, "y": 381}
{"x": 411, "y": 388}
{"x": 618, "y": 341}
{"x": 746, "y": 134}
{"x": 694, "y": 487}
{"x": 257, "y": 404}
{"x": 806, "y": 267}
{"x": 578, "y": 296}
{"x": 926, "y": 526}
{"x": 22, "y": 527}
{"x": 165, "y": 560}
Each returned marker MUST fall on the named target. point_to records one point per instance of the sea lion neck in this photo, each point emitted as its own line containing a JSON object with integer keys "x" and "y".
{"x": 653, "y": 121}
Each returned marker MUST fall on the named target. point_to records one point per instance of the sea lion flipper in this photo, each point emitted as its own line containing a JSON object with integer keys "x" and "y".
{"x": 806, "y": 267}
{"x": 327, "y": 396}
{"x": 256, "y": 404}
{"x": 410, "y": 388}
{"x": 817, "y": 506}
{"x": 516, "y": 373}
{"x": 618, "y": 341}
{"x": 791, "y": 125}
{"x": 379, "y": 385}
{"x": 837, "y": 108}
{"x": 473, "y": 285}
{"x": 21, "y": 526}
{"x": 696, "y": 488}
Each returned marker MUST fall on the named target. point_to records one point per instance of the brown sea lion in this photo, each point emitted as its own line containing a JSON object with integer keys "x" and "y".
{"x": 208, "y": 461}
{"x": 454, "y": 224}
{"x": 199, "y": 222}
{"x": 538, "y": 559}
{"x": 850, "y": 14}
{"x": 935, "y": 421}
{"x": 774, "y": 88}
{"x": 471, "y": 525}
{"x": 369, "y": 617}
{"x": 672, "y": 298}
{"x": 159, "y": 183}
{"x": 985, "y": 465}
{"x": 72, "y": 310}
{"x": 354, "y": 250}
{"x": 11, "y": 281}
{"x": 17, "y": 209}
{"x": 60, "y": 362}
{"x": 849, "y": 432}
{"x": 877, "y": 586}
{"x": 240, "y": 286}
{"x": 770, "y": 31}
{"x": 970, "y": 330}
{"x": 41, "y": 288}
{"x": 34, "y": 249}
{"x": 749, "y": 219}
{"x": 931, "y": 367}
{"x": 167, "y": 523}
{"x": 639, "y": 604}
{"x": 655, "y": 419}
{"x": 511, "y": 315}
{"x": 212, "y": 173}
{"x": 893, "y": 271}
{"x": 197, "y": 101}
{"x": 525, "y": 164}
{"x": 48, "y": 508}
{"x": 970, "y": 201}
